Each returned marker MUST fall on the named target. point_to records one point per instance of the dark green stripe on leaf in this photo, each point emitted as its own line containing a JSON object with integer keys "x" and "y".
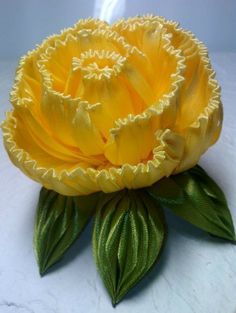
{"x": 59, "y": 221}
{"x": 203, "y": 203}
{"x": 128, "y": 235}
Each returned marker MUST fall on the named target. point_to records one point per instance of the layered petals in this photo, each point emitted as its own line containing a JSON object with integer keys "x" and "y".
{"x": 102, "y": 107}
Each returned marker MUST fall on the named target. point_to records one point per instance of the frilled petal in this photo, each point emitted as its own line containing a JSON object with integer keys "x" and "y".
{"x": 150, "y": 37}
{"x": 73, "y": 179}
{"x": 55, "y": 112}
{"x": 131, "y": 142}
{"x": 89, "y": 139}
{"x": 32, "y": 138}
{"x": 199, "y": 118}
{"x": 199, "y": 114}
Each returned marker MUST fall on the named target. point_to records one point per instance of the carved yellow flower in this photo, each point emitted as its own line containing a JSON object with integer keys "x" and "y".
{"x": 107, "y": 107}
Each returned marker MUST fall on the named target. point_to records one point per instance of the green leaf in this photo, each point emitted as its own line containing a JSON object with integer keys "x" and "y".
{"x": 128, "y": 235}
{"x": 203, "y": 203}
{"x": 166, "y": 191}
{"x": 59, "y": 221}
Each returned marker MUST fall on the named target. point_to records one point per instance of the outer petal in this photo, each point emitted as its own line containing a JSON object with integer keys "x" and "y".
{"x": 199, "y": 117}
{"x": 72, "y": 179}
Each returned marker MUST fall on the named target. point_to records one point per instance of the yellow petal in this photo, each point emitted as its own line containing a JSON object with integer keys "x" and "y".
{"x": 76, "y": 180}
{"x": 88, "y": 137}
{"x": 131, "y": 142}
{"x": 199, "y": 117}
{"x": 199, "y": 114}
{"x": 151, "y": 38}
{"x": 111, "y": 95}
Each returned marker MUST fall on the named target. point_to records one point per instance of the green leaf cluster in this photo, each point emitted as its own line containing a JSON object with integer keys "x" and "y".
{"x": 129, "y": 228}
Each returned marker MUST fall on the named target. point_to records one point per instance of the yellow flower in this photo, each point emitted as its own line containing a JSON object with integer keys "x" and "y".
{"x": 107, "y": 107}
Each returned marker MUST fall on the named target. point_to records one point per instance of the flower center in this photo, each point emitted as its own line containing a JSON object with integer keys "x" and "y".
{"x": 98, "y": 64}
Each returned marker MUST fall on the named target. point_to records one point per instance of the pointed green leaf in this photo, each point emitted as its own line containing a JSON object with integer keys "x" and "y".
{"x": 128, "y": 235}
{"x": 59, "y": 221}
{"x": 204, "y": 203}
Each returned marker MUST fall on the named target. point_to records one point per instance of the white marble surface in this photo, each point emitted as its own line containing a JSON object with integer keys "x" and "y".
{"x": 196, "y": 273}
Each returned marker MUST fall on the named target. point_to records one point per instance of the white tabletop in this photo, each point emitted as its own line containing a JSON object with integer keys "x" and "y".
{"x": 196, "y": 273}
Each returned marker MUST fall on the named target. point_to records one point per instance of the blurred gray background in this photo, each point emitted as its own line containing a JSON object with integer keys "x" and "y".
{"x": 24, "y": 23}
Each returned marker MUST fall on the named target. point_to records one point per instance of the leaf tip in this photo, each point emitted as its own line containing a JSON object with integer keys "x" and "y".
{"x": 42, "y": 272}
{"x": 234, "y": 239}
{"x": 42, "y": 269}
{"x": 115, "y": 300}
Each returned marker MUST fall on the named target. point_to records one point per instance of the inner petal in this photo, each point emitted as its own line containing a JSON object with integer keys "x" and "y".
{"x": 55, "y": 63}
{"x": 152, "y": 39}
{"x": 98, "y": 64}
